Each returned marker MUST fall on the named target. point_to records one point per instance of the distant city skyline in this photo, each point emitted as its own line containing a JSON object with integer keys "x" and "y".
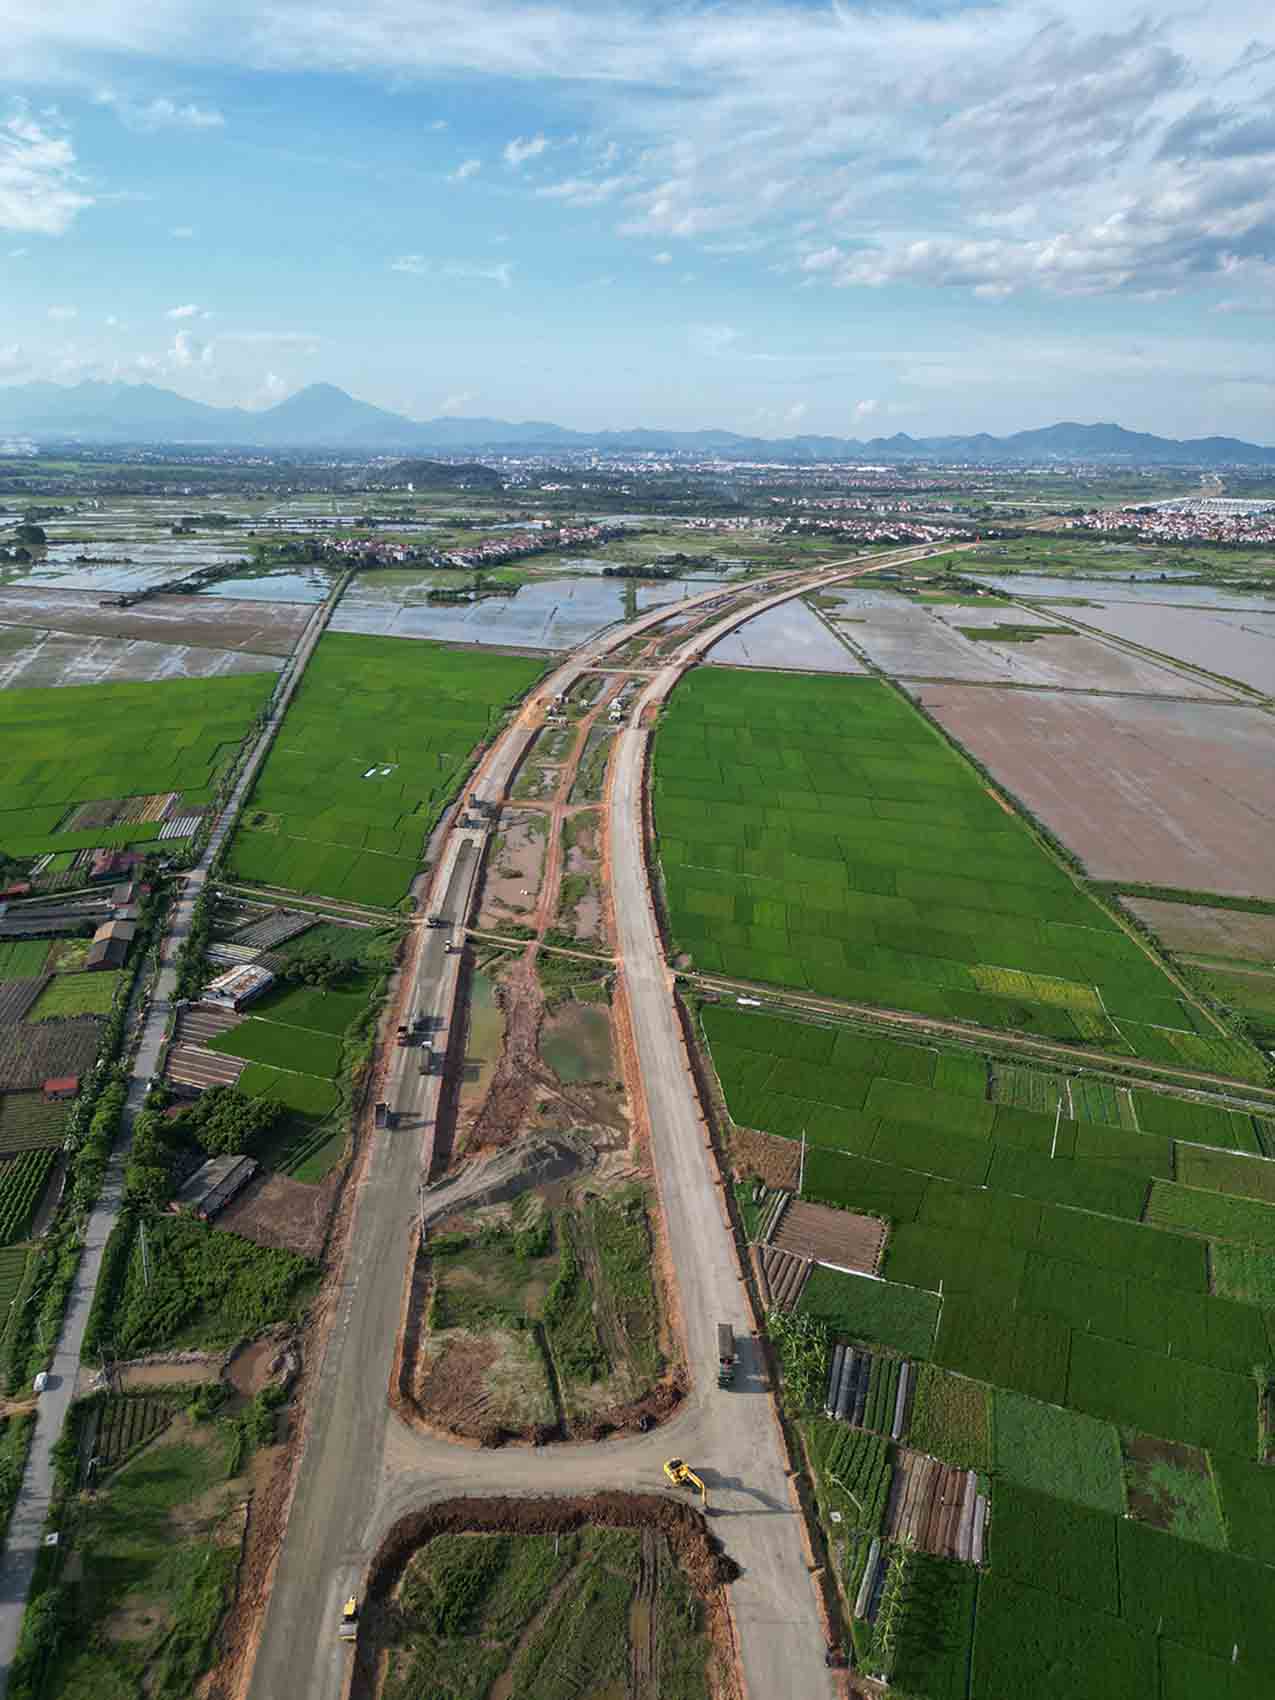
{"x": 774, "y": 218}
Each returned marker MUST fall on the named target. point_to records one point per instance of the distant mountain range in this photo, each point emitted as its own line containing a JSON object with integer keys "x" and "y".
{"x": 325, "y": 417}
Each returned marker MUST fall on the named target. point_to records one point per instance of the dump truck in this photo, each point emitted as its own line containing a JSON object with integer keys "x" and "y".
{"x": 726, "y": 1358}
{"x": 349, "y": 1626}
{"x": 427, "y": 1059}
{"x": 384, "y": 1117}
{"x": 681, "y": 1475}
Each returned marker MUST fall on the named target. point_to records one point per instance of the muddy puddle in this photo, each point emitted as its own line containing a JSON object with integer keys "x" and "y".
{"x": 576, "y": 1043}
{"x": 484, "y": 1041}
{"x": 512, "y": 881}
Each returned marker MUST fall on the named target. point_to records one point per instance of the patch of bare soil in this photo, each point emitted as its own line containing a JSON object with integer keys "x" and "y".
{"x": 773, "y": 1160}
{"x": 264, "y": 1361}
{"x": 520, "y": 1073}
{"x": 831, "y": 1236}
{"x": 690, "y": 1544}
{"x": 274, "y": 1210}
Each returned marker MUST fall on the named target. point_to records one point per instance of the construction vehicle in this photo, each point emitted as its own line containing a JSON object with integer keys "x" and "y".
{"x": 726, "y": 1358}
{"x": 427, "y": 1059}
{"x": 436, "y": 920}
{"x": 403, "y": 1037}
{"x": 681, "y": 1475}
{"x": 349, "y": 1619}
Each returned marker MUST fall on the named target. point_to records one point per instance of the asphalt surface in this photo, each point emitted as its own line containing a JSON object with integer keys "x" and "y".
{"x": 26, "y": 1529}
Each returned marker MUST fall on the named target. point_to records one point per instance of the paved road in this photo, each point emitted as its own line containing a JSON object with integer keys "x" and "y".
{"x": 27, "y": 1526}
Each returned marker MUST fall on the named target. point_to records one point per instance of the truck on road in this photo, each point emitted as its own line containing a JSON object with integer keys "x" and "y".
{"x": 726, "y": 1356}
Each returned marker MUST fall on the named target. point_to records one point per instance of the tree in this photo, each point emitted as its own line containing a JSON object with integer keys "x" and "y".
{"x": 224, "y": 1121}
{"x": 33, "y": 534}
{"x": 322, "y": 969}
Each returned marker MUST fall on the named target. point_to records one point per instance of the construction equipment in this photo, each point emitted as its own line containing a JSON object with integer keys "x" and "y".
{"x": 681, "y": 1475}
{"x": 725, "y": 1355}
{"x": 349, "y": 1619}
{"x": 402, "y": 1038}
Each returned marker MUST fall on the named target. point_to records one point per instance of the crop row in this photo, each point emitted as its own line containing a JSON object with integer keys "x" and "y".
{"x": 859, "y": 1464}
{"x": 22, "y": 1183}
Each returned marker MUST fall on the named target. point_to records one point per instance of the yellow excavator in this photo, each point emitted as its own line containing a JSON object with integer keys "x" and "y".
{"x": 681, "y": 1475}
{"x": 349, "y": 1627}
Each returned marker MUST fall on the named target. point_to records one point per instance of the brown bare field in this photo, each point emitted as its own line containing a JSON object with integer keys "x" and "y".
{"x": 212, "y": 622}
{"x": 47, "y": 658}
{"x": 274, "y": 1210}
{"x": 918, "y": 641}
{"x": 831, "y": 1236}
{"x": 1165, "y": 793}
{"x": 1208, "y": 932}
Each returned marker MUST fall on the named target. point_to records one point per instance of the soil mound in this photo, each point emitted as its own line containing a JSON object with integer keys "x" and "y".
{"x": 497, "y": 1178}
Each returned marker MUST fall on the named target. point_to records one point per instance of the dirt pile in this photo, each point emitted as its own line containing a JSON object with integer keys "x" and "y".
{"x": 520, "y": 1071}
{"x": 502, "y": 1175}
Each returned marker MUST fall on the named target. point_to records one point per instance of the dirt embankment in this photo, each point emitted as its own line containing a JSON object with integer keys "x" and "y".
{"x": 520, "y": 1073}
{"x": 695, "y": 1550}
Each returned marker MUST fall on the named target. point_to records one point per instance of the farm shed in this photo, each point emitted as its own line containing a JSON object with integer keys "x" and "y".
{"x": 110, "y": 945}
{"x": 62, "y": 1086}
{"x": 238, "y": 986}
{"x": 213, "y": 1184}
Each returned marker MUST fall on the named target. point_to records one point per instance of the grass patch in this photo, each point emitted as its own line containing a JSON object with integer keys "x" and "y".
{"x": 23, "y": 959}
{"x": 76, "y": 994}
{"x": 207, "y": 1288}
{"x": 951, "y": 1418}
{"x": 1056, "y": 1451}
{"x": 1247, "y": 1221}
{"x": 876, "y": 1312}
{"x": 281, "y": 1047}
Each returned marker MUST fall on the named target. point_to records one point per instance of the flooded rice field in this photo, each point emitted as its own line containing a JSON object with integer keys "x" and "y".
{"x": 1141, "y": 592}
{"x": 1164, "y": 793}
{"x": 791, "y": 635}
{"x": 30, "y": 657}
{"x": 126, "y": 565}
{"x": 547, "y": 614}
{"x": 307, "y": 586}
{"x": 919, "y": 641}
{"x": 1238, "y": 644}
{"x": 264, "y": 628}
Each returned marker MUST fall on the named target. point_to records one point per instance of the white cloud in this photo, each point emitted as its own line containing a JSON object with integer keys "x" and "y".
{"x": 13, "y": 362}
{"x": 796, "y": 413}
{"x": 182, "y": 232}
{"x": 582, "y": 191}
{"x": 662, "y": 259}
{"x": 420, "y": 265}
{"x": 189, "y": 311}
{"x": 187, "y": 351}
{"x": 454, "y": 403}
{"x": 465, "y": 170}
{"x": 162, "y": 113}
{"x": 713, "y": 339}
{"x": 523, "y": 148}
{"x": 865, "y": 409}
{"x": 438, "y": 124}
{"x": 297, "y": 339}
{"x": 18, "y": 253}
{"x": 63, "y": 314}
{"x": 39, "y": 186}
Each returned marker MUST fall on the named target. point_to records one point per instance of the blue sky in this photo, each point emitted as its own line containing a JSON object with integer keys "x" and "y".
{"x": 773, "y": 217}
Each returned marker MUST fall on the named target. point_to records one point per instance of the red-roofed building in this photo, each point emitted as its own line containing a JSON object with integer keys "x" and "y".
{"x": 62, "y": 1086}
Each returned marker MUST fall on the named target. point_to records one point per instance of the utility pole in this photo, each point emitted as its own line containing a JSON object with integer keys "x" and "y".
{"x": 146, "y": 1266}
{"x": 801, "y": 1167}
{"x": 1053, "y": 1149}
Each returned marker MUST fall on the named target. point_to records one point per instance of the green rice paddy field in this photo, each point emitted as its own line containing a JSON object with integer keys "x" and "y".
{"x": 1091, "y": 1329}
{"x": 374, "y": 743}
{"x": 98, "y": 743}
{"x": 819, "y": 833}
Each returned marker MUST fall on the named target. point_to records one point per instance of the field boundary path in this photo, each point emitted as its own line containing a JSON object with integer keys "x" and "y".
{"x": 26, "y": 1529}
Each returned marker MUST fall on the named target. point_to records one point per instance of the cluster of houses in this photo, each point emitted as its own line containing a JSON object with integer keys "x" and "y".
{"x": 1204, "y": 519}
{"x": 876, "y": 530}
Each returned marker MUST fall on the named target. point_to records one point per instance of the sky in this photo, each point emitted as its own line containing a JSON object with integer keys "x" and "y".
{"x": 775, "y": 217}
